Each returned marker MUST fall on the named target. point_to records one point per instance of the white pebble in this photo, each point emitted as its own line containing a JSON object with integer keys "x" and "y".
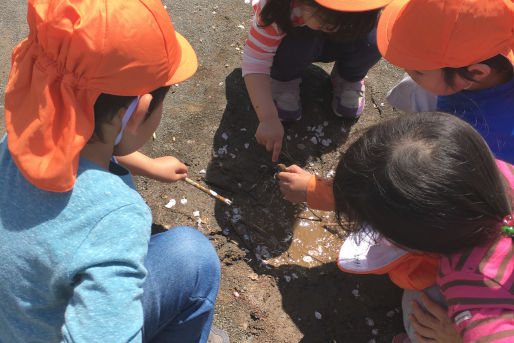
{"x": 183, "y": 201}
{"x": 307, "y": 259}
{"x": 369, "y": 321}
{"x": 317, "y": 315}
{"x": 294, "y": 275}
{"x": 287, "y": 278}
{"x": 314, "y": 140}
{"x": 202, "y": 171}
{"x": 246, "y": 145}
{"x": 226, "y": 232}
{"x": 196, "y": 213}
{"x": 224, "y": 136}
{"x": 241, "y": 26}
{"x": 171, "y": 203}
{"x": 355, "y": 293}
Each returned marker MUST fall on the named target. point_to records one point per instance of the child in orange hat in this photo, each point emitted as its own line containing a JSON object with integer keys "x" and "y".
{"x": 458, "y": 58}
{"x": 78, "y": 261}
{"x": 286, "y": 37}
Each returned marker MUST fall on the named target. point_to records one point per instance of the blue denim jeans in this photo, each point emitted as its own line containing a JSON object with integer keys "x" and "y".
{"x": 180, "y": 288}
{"x": 297, "y": 51}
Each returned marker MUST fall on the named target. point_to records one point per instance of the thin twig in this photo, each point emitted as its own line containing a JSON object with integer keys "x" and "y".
{"x": 208, "y": 191}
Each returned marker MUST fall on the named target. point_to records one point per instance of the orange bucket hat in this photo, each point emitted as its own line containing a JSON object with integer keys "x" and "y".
{"x": 433, "y": 34}
{"x": 353, "y": 5}
{"x": 75, "y": 51}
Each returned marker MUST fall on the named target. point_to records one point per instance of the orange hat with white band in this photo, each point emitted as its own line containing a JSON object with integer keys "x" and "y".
{"x": 353, "y": 5}
{"x": 75, "y": 51}
{"x": 433, "y": 34}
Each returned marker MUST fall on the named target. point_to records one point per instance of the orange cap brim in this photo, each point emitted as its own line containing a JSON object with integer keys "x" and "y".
{"x": 188, "y": 62}
{"x": 353, "y": 5}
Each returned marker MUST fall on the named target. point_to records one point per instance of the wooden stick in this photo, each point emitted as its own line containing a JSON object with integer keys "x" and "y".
{"x": 208, "y": 191}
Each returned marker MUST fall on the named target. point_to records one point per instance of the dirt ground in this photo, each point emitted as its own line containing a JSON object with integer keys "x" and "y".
{"x": 279, "y": 280}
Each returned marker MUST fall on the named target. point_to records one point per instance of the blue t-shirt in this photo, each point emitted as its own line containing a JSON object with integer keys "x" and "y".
{"x": 490, "y": 112}
{"x": 71, "y": 263}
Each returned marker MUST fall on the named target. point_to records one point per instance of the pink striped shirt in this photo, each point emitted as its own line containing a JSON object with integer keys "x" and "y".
{"x": 479, "y": 287}
{"x": 262, "y": 42}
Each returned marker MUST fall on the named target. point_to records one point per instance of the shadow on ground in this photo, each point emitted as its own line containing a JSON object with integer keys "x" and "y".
{"x": 324, "y": 303}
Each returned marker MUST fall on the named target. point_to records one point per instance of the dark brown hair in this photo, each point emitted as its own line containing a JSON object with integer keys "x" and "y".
{"x": 108, "y": 105}
{"x": 499, "y": 63}
{"x": 425, "y": 181}
{"x": 348, "y": 26}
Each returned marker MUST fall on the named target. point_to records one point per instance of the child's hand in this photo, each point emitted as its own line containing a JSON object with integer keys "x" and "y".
{"x": 270, "y": 133}
{"x": 293, "y": 183}
{"x": 167, "y": 169}
{"x": 434, "y": 325}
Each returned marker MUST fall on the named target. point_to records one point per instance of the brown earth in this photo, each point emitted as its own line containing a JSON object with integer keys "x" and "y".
{"x": 279, "y": 279}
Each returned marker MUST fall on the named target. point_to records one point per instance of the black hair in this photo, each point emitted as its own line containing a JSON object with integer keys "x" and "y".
{"x": 108, "y": 105}
{"x": 425, "y": 181}
{"x": 498, "y": 63}
{"x": 348, "y": 26}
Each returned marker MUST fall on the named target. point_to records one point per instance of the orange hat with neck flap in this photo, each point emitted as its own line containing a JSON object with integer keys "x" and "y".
{"x": 75, "y": 51}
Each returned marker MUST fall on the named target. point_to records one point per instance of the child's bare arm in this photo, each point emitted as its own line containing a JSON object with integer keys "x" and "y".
{"x": 270, "y": 130}
{"x": 165, "y": 169}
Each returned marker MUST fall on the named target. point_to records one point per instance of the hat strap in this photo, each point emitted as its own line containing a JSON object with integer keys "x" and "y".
{"x": 126, "y": 117}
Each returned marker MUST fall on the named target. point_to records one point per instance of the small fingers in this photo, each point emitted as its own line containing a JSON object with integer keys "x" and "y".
{"x": 434, "y": 308}
{"x": 276, "y": 151}
{"x": 420, "y": 328}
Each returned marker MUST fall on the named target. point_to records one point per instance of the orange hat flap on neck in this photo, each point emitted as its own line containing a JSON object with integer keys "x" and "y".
{"x": 75, "y": 51}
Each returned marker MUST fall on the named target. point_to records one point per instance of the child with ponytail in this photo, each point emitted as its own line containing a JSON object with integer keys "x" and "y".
{"x": 428, "y": 183}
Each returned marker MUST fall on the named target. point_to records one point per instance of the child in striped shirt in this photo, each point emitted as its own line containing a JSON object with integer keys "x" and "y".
{"x": 286, "y": 37}
{"x": 429, "y": 184}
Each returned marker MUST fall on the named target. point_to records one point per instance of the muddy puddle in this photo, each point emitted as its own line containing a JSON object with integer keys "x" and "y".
{"x": 314, "y": 241}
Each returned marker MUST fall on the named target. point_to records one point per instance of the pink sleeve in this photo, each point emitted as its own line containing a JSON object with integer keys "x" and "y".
{"x": 485, "y": 325}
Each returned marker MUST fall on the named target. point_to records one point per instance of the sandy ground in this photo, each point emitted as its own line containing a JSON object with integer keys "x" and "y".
{"x": 279, "y": 279}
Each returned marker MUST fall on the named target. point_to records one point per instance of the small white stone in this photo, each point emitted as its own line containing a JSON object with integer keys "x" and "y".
{"x": 314, "y": 140}
{"x": 221, "y": 83}
{"x": 183, "y": 201}
{"x": 288, "y": 138}
{"x": 246, "y": 145}
{"x": 294, "y": 275}
{"x": 307, "y": 259}
{"x": 355, "y": 293}
{"x": 287, "y": 278}
{"x": 226, "y": 232}
{"x": 171, "y": 203}
{"x": 224, "y": 136}
{"x": 196, "y": 213}
{"x": 241, "y": 26}
{"x": 317, "y": 315}
{"x": 202, "y": 171}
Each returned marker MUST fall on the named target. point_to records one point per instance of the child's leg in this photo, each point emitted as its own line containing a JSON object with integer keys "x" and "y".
{"x": 181, "y": 287}
{"x": 408, "y": 295}
{"x": 294, "y": 54}
{"x": 353, "y": 61}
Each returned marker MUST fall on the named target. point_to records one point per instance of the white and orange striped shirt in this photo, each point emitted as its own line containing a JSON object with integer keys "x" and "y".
{"x": 262, "y": 42}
